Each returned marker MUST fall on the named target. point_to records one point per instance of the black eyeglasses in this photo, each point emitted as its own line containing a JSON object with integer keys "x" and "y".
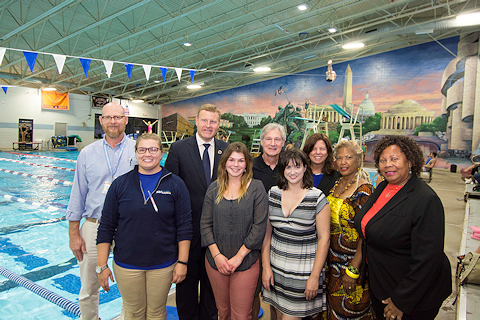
{"x": 152, "y": 150}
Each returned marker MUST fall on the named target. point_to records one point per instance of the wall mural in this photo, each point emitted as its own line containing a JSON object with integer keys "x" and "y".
{"x": 406, "y": 91}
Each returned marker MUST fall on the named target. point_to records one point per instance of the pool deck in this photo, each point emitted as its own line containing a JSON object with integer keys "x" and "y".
{"x": 469, "y": 294}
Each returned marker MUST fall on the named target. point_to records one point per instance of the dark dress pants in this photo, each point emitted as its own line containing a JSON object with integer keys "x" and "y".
{"x": 379, "y": 307}
{"x": 188, "y": 307}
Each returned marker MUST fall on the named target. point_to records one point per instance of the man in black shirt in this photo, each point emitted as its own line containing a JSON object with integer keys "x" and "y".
{"x": 272, "y": 140}
{"x": 265, "y": 169}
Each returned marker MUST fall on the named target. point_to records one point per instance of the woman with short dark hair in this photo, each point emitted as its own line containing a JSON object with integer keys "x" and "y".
{"x": 296, "y": 242}
{"x": 402, "y": 229}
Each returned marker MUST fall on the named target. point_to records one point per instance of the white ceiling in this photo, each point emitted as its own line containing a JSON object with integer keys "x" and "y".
{"x": 229, "y": 38}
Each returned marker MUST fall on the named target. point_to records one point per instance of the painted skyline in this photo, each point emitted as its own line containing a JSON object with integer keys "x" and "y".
{"x": 411, "y": 73}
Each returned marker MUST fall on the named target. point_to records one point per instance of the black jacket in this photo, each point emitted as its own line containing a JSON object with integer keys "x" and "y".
{"x": 328, "y": 181}
{"x": 184, "y": 160}
{"x": 404, "y": 248}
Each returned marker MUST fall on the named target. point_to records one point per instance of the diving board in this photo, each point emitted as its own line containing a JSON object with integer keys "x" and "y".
{"x": 340, "y": 110}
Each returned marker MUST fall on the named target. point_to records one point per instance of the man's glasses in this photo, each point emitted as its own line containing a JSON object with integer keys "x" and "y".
{"x": 116, "y": 118}
{"x": 152, "y": 150}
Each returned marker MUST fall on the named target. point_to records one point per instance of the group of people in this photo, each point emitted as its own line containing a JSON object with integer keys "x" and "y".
{"x": 303, "y": 227}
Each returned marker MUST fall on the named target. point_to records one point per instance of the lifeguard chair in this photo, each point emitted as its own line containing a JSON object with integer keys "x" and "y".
{"x": 315, "y": 125}
{"x": 351, "y": 124}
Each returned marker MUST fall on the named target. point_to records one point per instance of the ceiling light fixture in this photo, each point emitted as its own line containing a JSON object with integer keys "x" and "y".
{"x": 138, "y": 100}
{"x": 423, "y": 32}
{"x": 302, "y": 7}
{"x": 332, "y": 29}
{"x": 262, "y": 69}
{"x": 187, "y": 43}
{"x": 156, "y": 81}
{"x": 469, "y": 18}
{"x": 194, "y": 86}
{"x": 354, "y": 45}
{"x": 49, "y": 89}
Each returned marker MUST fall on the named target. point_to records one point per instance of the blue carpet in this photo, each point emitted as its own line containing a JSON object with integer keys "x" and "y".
{"x": 172, "y": 313}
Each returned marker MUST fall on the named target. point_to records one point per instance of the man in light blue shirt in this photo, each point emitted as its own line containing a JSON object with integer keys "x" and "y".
{"x": 98, "y": 164}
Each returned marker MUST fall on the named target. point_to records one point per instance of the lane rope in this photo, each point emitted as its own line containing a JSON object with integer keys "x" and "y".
{"x": 39, "y": 156}
{"x": 42, "y": 292}
{"x": 37, "y": 164}
{"x": 51, "y": 205}
{"x": 56, "y": 181}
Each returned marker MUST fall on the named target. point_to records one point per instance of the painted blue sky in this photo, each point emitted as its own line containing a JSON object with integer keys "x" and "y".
{"x": 410, "y": 73}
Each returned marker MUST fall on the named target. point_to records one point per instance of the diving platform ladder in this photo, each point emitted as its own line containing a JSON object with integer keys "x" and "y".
{"x": 352, "y": 125}
{"x": 314, "y": 126}
{"x": 255, "y": 147}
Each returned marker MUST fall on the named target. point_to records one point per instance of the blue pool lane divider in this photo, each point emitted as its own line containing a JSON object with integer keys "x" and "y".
{"x": 42, "y": 292}
{"x": 38, "y": 164}
{"x": 56, "y": 181}
{"x": 52, "y": 205}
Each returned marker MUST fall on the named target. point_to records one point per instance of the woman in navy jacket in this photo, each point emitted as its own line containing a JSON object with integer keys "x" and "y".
{"x": 147, "y": 212}
{"x": 402, "y": 226}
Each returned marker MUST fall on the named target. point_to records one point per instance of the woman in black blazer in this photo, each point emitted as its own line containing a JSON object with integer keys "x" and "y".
{"x": 319, "y": 150}
{"x": 402, "y": 226}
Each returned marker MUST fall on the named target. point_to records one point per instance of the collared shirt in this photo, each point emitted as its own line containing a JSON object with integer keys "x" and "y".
{"x": 211, "y": 150}
{"x": 92, "y": 172}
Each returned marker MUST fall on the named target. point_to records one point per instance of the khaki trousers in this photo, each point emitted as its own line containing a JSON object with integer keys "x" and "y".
{"x": 144, "y": 292}
{"x": 88, "y": 297}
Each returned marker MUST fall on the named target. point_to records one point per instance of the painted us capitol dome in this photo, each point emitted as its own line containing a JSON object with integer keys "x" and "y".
{"x": 367, "y": 108}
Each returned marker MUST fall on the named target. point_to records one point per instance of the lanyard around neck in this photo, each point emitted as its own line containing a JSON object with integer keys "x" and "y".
{"x": 113, "y": 172}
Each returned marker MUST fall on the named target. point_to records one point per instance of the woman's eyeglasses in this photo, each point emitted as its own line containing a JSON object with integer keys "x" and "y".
{"x": 152, "y": 150}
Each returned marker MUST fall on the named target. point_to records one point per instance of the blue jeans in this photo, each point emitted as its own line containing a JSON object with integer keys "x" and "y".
{"x": 476, "y": 176}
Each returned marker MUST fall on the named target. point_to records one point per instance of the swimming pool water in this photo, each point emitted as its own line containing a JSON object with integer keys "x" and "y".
{"x": 39, "y": 251}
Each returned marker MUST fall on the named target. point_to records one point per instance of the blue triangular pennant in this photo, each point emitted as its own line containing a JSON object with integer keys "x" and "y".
{"x": 129, "y": 68}
{"x": 85, "y": 64}
{"x": 31, "y": 57}
{"x": 192, "y": 74}
{"x": 5, "y": 89}
{"x": 164, "y": 73}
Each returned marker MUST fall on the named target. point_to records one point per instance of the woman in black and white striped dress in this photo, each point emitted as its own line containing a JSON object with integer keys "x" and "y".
{"x": 296, "y": 242}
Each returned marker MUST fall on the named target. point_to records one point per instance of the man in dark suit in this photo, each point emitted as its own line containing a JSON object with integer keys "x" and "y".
{"x": 195, "y": 160}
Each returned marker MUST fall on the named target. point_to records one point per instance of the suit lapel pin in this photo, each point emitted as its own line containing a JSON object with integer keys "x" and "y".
{"x": 219, "y": 151}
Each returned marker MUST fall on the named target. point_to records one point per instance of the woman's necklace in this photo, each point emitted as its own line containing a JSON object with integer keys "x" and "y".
{"x": 336, "y": 184}
{"x": 393, "y": 189}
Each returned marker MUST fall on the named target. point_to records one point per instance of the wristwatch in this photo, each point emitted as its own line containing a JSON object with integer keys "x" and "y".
{"x": 100, "y": 269}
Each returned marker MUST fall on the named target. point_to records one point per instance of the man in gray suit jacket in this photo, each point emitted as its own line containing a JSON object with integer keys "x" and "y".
{"x": 195, "y": 160}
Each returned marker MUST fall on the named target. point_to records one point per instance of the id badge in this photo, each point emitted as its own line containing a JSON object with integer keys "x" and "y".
{"x": 106, "y": 185}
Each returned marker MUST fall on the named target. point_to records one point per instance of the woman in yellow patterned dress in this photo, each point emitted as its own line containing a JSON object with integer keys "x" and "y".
{"x": 346, "y": 198}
